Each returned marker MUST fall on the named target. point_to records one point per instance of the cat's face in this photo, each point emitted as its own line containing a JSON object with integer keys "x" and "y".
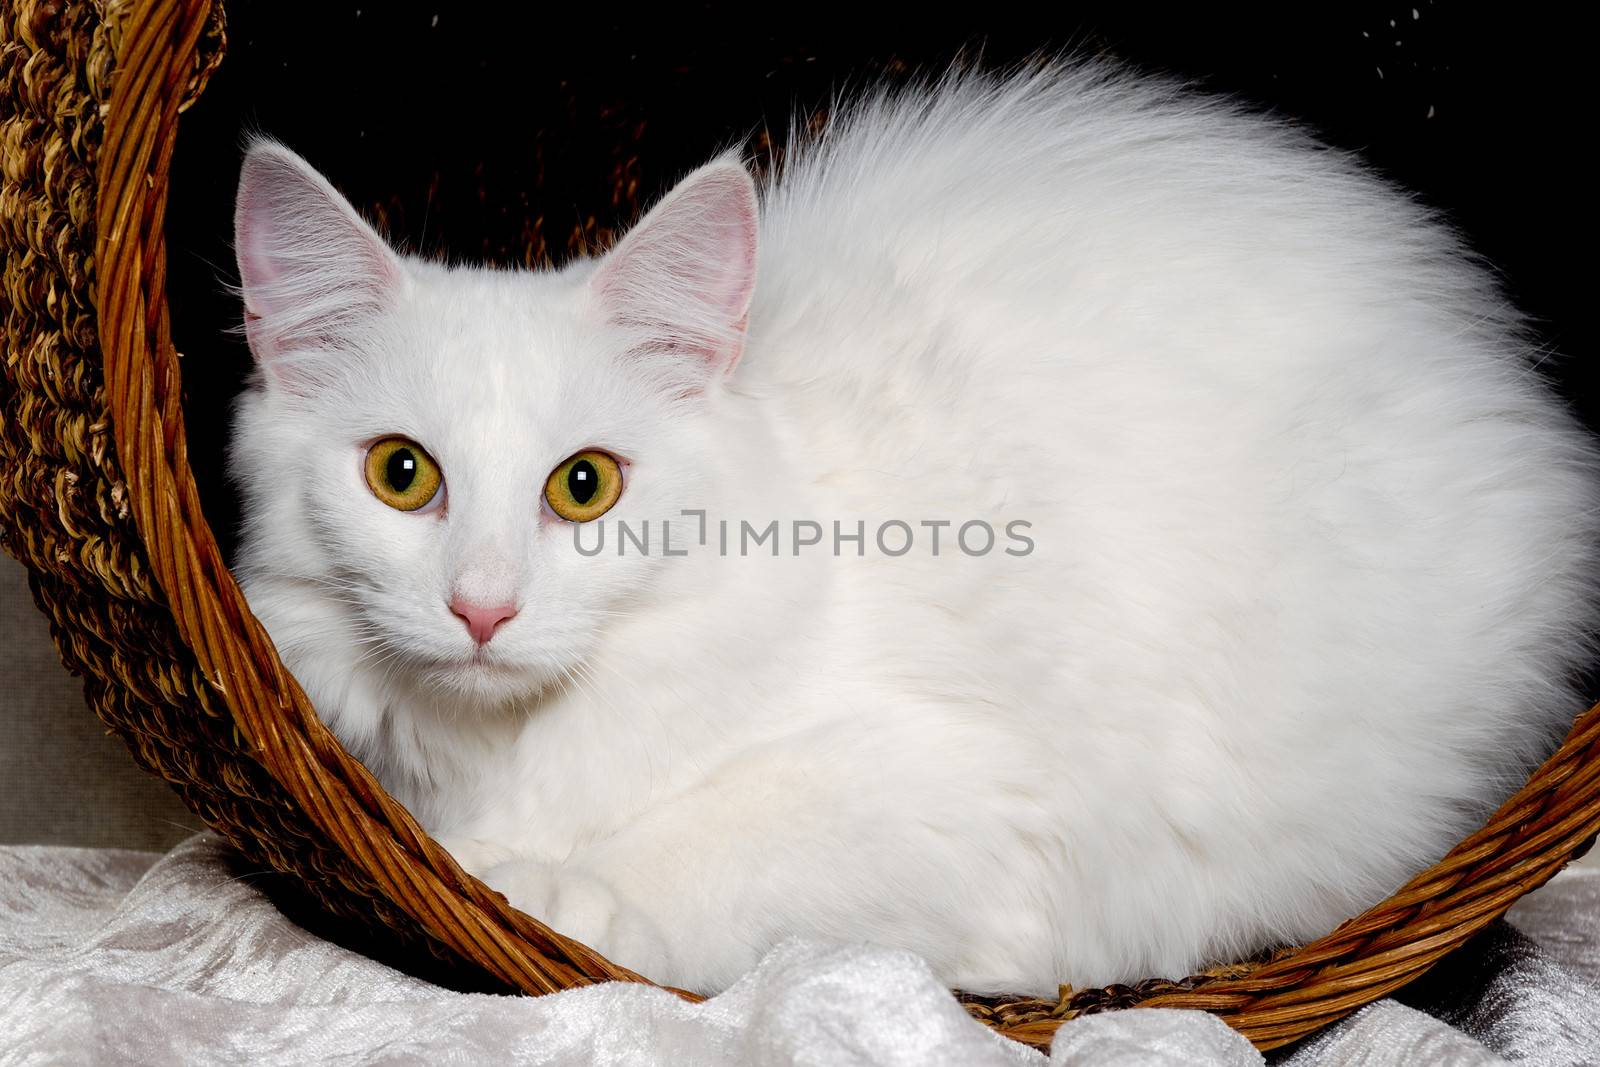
{"x": 396, "y": 452}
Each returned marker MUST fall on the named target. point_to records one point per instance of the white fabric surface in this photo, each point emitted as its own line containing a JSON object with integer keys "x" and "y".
{"x": 113, "y": 957}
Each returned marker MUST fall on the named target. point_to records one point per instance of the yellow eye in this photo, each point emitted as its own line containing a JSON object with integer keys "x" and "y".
{"x": 584, "y": 487}
{"x": 401, "y": 474}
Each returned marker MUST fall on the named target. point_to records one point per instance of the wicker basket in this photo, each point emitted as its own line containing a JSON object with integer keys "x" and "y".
{"x": 97, "y": 498}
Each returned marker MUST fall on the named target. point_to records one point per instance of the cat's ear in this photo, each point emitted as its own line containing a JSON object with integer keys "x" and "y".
{"x": 312, "y": 271}
{"x": 681, "y": 280}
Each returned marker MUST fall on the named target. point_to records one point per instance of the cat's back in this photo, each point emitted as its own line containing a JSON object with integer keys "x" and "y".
{"x": 1165, "y": 286}
{"x": 1074, "y": 241}
{"x": 1294, "y": 485}
{"x": 1083, "y": 196}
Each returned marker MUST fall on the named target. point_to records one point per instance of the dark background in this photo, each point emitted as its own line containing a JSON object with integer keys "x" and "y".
{"x": 521, "y": 134}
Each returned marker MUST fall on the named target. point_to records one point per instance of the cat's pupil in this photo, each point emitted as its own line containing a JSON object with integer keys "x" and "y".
{"x": 583, "y": 480}
{"x": 401, "y": 469}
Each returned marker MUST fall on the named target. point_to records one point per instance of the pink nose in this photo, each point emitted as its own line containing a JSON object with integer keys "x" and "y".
{"x": 481, "y": 620}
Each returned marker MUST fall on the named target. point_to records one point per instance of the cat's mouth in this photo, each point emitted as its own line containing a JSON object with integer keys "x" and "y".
{"x": 478, "y": 671}
{"x": 480, "y": 676}
{"x": 481, "y": 679}
{"x": 481, "y": 660}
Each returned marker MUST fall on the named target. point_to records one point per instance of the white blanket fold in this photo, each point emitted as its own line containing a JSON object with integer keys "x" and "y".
{"x": 111, "y": 957}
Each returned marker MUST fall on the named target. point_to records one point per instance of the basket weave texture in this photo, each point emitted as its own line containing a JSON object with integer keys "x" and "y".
{"x": 97, "y": 499}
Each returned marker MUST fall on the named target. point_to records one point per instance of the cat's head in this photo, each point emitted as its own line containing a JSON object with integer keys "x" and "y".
{"x": 395, "y": 448}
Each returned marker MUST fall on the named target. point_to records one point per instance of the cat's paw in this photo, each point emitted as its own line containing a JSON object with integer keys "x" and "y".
{"x": 474, "y": 855}
{"x": 586, "y": 908}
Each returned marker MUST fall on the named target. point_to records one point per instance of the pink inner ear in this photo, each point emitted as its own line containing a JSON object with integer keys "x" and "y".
{"x": 312, "y": 271}
{"x": 683, "y": 278}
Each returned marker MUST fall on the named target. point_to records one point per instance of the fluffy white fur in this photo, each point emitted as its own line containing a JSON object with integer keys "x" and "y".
{"x": 1315, "y": 545}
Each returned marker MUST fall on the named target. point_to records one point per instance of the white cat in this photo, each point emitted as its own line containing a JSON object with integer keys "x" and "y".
{"x": 1269, "y": 554}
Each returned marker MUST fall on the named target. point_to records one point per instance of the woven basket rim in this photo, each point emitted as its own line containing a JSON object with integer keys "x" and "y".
{"x": 163, "y": 65}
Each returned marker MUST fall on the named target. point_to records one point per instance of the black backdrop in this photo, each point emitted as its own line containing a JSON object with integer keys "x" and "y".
{"x": 455, "y": 125}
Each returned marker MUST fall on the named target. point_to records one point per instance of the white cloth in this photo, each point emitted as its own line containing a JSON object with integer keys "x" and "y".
{"x": 111, "y": 957}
